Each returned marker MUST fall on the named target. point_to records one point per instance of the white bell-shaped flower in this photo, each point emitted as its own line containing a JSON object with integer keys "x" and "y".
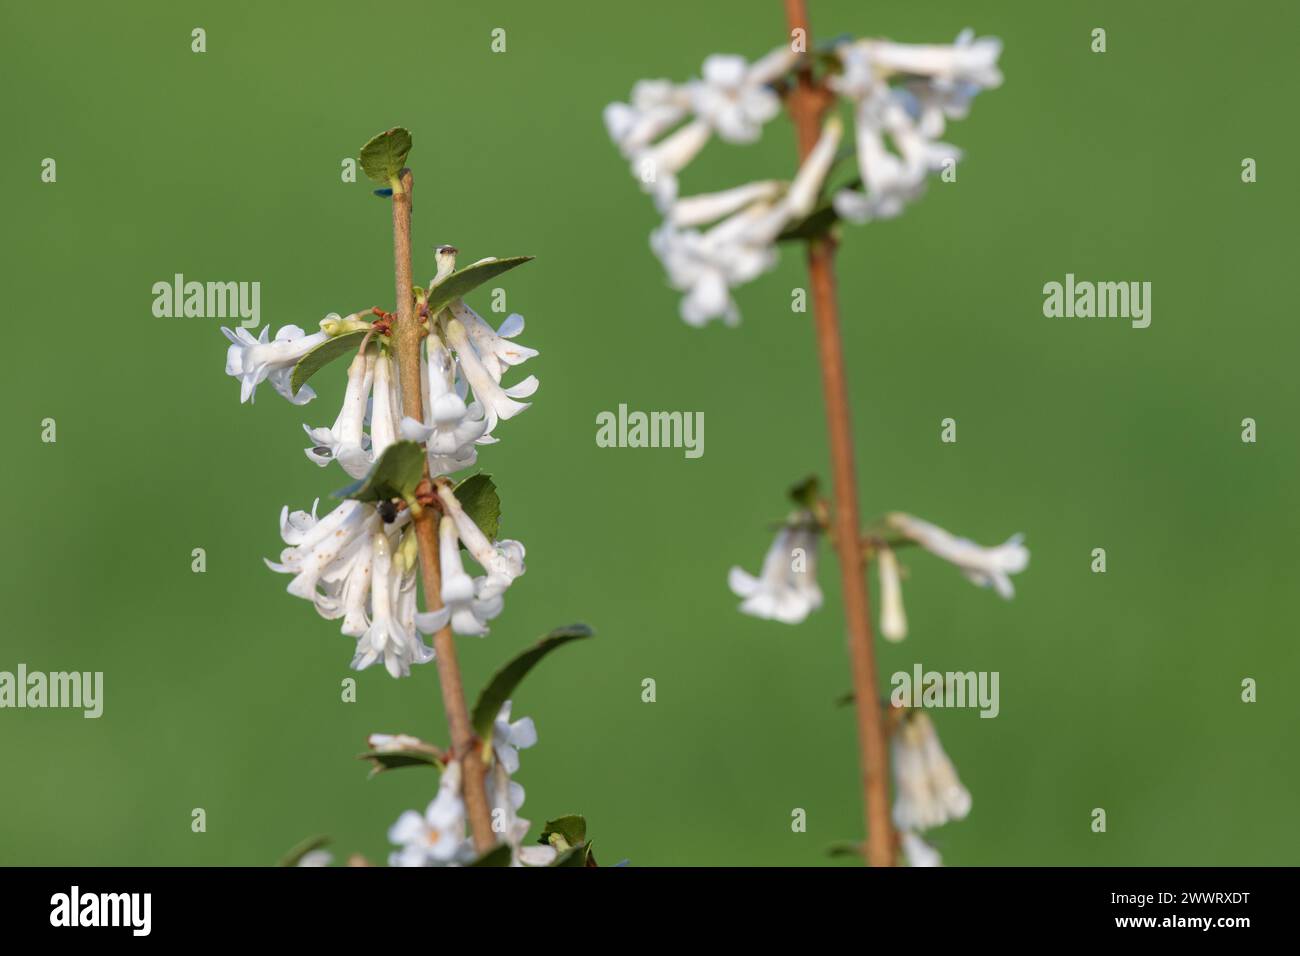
{"x": 503, "y": 560}
{"x": 928, "y": 793}
{"x": 786, "y": 589}
{"x": 392, "y": 636}
{"x": 255, "y": 360}
{"x": 345, "y": 441}
{"x": 436, "y": 837}
{"x": 498, "y": 403}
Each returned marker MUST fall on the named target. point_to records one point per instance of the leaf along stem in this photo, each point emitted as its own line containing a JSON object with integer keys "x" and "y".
{"x": 406, "y": 338}
{"x": 807, "y": 103}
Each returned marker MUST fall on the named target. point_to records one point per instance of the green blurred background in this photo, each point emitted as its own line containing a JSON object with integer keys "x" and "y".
{"x": 1118, "y": 691}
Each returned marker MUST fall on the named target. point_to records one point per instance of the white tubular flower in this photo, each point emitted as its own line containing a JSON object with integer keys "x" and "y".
{"x": 392, "y": 633}
{"x": 503, "y": 560}
{"x": 985, "y": 567}
{"x": 967, "y": 61}
{"x": 314, "y": 858}
{"x": 451, "y": 427}
{"x": 786, "y": 589}
{"x": 890, "y": 181}
{"x": 498, "y": 403}
{"x": 656, "y": 167}
{"x": 385, "y": 408}
{"x": 255, "y": 360}
{"x": 468, "y": 604}
{"x": 344, "y": 442}
{"x": 493, "y": 346}
{"x": 510, "y": 738}
{"x": 928, "y": 793}
{"x": 939, "y": 84}
{"x": 321, "y": 553}
{"x": 801, "y": 197}
{"x": 436, "y": 838}
{"x": 918, "y": 852}
{"x": 707, "y": 265}
{"x": 893, "y": 622}
{"x": 710, "y": 207}
{"x": 734, "y": 98}
{"x": 705, "y": 269}
{"x": 657, "y": 106}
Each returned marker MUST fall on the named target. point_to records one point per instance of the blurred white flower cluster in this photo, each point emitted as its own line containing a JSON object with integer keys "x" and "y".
{"x": 927, "y": 793}
{"x": 438, "y": 837}
{"x": 786, "y": 588}
{"x": 901, "y": 97}
{"x": 359, "y": 562}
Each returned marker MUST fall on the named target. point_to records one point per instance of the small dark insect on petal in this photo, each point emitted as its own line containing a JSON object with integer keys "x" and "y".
{"x": 322, "y": 451}
{"x": 388, "y": 511}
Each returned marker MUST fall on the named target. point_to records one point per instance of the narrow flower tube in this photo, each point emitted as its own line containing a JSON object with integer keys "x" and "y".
{"x": 494, "y": 347}
{"x": 498, "y": 403}
{"x": 984, "y": 567}
{"x": 344, "y": 442}
{"x": 710, "y": 207}
{"x": 893, "y": 622}
{"x": 502, "y": 560}
{"x": 385, "y": 411}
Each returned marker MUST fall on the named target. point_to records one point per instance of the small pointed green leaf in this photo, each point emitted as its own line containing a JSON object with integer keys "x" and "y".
{"x": 575, "y": 856}
{"x": 395, "y": 475}
{"x": 504, "y": 681}
{"x": 322, "y": 355}
{"x": 499, "y": 855}
{"x": 816, "y": 224}
{"x": 384, "y": 156}
{"x": 294, "y": 856}
{"x": 573, "y": 828}
{"x": 805, "y": 493}
{"x": 464, "y": 281}
{"x": 836, "y": 850}
{"x": 416, "y": 753}
{"x": 478, "y": 496}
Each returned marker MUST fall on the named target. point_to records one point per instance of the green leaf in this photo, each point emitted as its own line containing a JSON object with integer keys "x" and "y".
{"x": 384, "y": 156}
{"x": 399, "y": 469}
{"x": 816, "y": 224}
{"x": 294, "y": 856}
{"x": 478, "y": 496}
{"x": 322, "y": 355}
{"x": 418, "y": 754}
{"x": 844, "y": 849}
{"x": 805, "y": 493}
{"x": 575, "y": 856}
{"x": 464, "y": 281}
{"x": 499, "y": 855}
{"x": 572, "y": 828}
{"x": 504, "y": 681}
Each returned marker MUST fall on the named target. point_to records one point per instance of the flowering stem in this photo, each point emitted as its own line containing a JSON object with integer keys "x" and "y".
{"x": 406, "y": 336}
{"x": 807, "y": 103}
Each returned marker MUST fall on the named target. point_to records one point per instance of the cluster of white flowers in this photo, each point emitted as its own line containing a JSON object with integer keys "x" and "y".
{"x": 438, "y": 836}
{"x": 666, "y": 125}
{"x": 937, "y": 84}
{"x": 927, "y": 791}
{"x": 786, "y": 589}
{"x": 359, "y": 562}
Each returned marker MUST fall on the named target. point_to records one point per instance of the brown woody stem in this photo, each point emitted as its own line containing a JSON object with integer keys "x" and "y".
{"x": 807, "y": 103}
{"x": 406, "y": 339}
